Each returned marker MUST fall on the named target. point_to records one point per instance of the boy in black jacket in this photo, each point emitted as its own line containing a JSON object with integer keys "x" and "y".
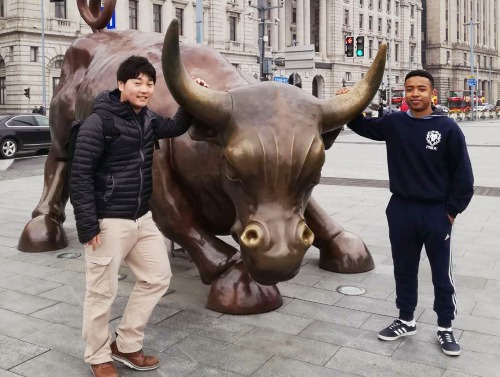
{"x": 431, "y": 182}
{"x": 110, "y": 184}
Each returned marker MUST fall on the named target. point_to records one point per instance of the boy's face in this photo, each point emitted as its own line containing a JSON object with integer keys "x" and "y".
{"x": 137, "y": 91}
{"x": 419, "y": 92}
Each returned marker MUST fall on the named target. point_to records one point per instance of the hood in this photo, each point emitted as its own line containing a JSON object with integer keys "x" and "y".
{"x": 110, "y": 101}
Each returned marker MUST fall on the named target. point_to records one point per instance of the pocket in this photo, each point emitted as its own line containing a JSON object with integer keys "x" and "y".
{"x": 109, "y": 188}
{"x": 98, "y": 275}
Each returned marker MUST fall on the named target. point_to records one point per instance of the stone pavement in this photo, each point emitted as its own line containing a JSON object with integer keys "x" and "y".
{"x": 317, "y": 332}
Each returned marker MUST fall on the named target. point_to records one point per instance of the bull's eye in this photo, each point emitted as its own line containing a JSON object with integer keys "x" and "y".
{"x": 230, "y": 172}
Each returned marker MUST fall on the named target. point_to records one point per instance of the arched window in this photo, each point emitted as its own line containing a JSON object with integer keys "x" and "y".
{"x": 318, "y": 87}
{"x": 2, "y": 81}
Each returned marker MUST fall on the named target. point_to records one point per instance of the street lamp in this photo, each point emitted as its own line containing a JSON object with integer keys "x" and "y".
{"x": 472, "y": 91}
{"x": 262, "y": 28}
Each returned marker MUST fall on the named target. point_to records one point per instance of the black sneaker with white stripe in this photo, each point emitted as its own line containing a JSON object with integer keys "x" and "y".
{"x": 397, "y": 330}
{"x": 449, "y": 344}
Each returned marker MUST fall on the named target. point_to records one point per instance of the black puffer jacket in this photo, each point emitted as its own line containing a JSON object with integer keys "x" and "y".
{"x": 114, "y": 179}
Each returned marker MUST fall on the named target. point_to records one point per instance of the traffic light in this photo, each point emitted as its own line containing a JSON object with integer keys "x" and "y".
{"x": 383, "y": 94}
{"x": 27, "y": 92}
{"x": 349, "y": 46}
{"x": 360, "y": 46}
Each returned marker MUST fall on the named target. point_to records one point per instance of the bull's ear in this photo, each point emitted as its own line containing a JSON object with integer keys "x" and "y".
{"x": 200, "y": 131}
{"x": 329, "y": 137}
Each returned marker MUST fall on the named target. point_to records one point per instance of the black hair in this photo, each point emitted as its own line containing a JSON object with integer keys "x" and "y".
{"x": 132, "y": 67}
{"x": 421, "y": 73}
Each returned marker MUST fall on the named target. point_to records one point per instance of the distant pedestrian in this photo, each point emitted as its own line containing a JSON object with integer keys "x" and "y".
{"x": 381, "y": 111}
{"x": 431, "y": 182}
{"x": 41, "y": 110}
{"x": 35, "y": 110}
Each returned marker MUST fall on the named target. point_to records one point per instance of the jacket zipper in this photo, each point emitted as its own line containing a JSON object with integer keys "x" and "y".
{"x": 137, "y": 121}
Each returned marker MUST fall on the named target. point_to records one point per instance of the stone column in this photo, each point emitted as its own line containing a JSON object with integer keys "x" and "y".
{"x": 322, "y": 28}
{"x": 307, "y": 22}
{"x": 275, "y": 28}
{"x": 300, "y": 22}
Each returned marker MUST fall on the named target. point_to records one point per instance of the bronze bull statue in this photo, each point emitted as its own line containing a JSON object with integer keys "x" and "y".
{"x": 247, "y": 167}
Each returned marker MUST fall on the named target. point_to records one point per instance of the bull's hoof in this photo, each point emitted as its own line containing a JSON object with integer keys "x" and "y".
{"x": 235, "y": 292}
{"x": 41, "y": 234}
{"x": 346, "y": 253}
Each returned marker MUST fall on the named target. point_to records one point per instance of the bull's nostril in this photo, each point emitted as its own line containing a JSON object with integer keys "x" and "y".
{"x": 305, "y": 234}
{"x": 252, "y": 237}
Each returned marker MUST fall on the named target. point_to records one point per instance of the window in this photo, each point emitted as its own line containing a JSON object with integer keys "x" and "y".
{"x": 379, "y": 4}
{"x": 491, "y": 62}
{"x": 361, "y": 21}
{"x": 346, "y": 17}
{"x": 348, "y": 76}
{"x": 33, "y": 54}
{"x": 380, "y": 25}
{"x": 59, "y": 9}
{"x": 412, "y": 31}
{"x": 157, "y": 18}
{"x": 396, "y": 26}
{"x": 2, "y": 91}
{"x": 232, "y": 28}
{"x": 57, "y": 64}
{"x": 396, "y": 52}
{"x": 370, "y": 49}
{"x": 370, "y": 23}
{"x": 397, "y": 79}
{"x": 294, "y": 15}
{"x": 396, "y": 4}
{"x": 2, "y": 8}
{"x": 361, "y": 3}
{"x": 389, "y": 25}
{"x": 55, "y": 82}
{"x": 179, "y": 13}
{"x": 412, "y": 11}
{"x": 465, "y": 56}
{"x": 370, "y": 4}
{"x": 448, "y": 56}
{"x": 388, "y": 6}
{"x": 132, "y": 14}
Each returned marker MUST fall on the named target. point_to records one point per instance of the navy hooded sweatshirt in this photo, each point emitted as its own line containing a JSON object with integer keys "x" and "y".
{"x": 427, "y": 157}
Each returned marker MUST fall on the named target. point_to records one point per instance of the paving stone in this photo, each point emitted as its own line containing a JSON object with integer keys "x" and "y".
{"x": 26, "y": 284}
{"x": 53, "y": 364}
{"x": 67, "y": 293}
{"x": 451, "y": 373}
{"x": 205, "y": 371}
{"x": 483, "y": 343}
{"x": 371, "y": 365}
{"x": 77, "y": 265}
{"x": 64, "y": 314}
{"x": 467, "y": 322}
{"x": 325, "y": 313}
{"x": 280, "y": 366}
{"x": 314, "y": 294}
{"x": 277, "y": 321}
{"x": 17, "y": 325}
{"x": 468, "y": 361}
{"x": 15, "y": 352}
{"x": 23, "y": 303}
{"x": 184, "y": 301}
{"x": 190, "y": 286}
{"x": 4, "y": 373}
{"x": 348, "y": 337}
{"x": 219, "y": 354}
{"x": 371, "y": 305}
{"x": 60, "y": 338}
{"x": 160, "y": 313}
{"x": 170, "y": 366}
{"x": 46, "y": 258}
{"x": 295, "y": 347}
{"x": 372, "y": 290}
{"x": 486, "y": 310}
{"x": 73, "y": 278}
{"x": 222, "y": 328}
{"x": 305, "y": 279}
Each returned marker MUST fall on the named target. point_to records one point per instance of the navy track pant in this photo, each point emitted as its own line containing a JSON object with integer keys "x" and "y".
{"x": 412, "y": 225}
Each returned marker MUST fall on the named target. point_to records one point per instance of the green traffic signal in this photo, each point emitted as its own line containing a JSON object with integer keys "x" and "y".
{"x": 360, "y": 46}
{"x": 359, "y": 52}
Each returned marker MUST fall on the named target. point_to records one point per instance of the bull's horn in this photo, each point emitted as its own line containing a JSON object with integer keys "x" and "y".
{"x": 93, "y": 16}
{"x": 210, "y": 106}
{"x": 345, "y": 107}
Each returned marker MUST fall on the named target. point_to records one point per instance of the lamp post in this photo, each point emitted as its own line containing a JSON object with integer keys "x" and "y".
{"x": 262, "y": 29}
{"x": 44, "y": 99}
{"x": 472, "y": 92}
{"x": 199, "y": 21}
{"x": 471, "y": 25}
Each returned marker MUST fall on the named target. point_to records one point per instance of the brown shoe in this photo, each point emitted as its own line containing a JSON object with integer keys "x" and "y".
{"x": 104, "y": 370}
{"x": 135, "y": 360}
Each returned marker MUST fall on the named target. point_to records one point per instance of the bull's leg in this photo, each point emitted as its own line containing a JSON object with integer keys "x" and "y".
{"x": 177, "y": 219}
{"x": 340, "y": 250}
{"x": 45, "y": 231}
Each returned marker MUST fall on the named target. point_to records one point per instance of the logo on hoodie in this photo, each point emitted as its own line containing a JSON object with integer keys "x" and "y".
{"x": 433, "y": 138}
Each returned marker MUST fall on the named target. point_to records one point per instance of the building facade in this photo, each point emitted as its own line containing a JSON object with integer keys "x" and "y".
{"x": 307, "y": 35}
{"x": 447, "y": 44}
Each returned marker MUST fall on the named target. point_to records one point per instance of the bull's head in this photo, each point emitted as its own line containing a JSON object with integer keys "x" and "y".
{"x": 270, "y": 135}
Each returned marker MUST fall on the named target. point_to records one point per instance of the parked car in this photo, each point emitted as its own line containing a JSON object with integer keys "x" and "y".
{"x": 443, "y": 108}
{"x": 485, "y": 107}
{"x": 497, "y": 106}
{"x": 19, "y": 132}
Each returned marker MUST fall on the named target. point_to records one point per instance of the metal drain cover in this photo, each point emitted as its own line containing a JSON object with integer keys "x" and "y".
{"x": 68, "y": 255}
{"x": 350, "y": 290}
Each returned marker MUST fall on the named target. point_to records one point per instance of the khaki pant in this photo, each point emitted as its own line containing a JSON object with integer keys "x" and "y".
{"x": 141, "y": 245}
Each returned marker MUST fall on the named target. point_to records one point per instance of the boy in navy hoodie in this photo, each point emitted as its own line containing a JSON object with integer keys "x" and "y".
{"x": 431, "y": 181}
